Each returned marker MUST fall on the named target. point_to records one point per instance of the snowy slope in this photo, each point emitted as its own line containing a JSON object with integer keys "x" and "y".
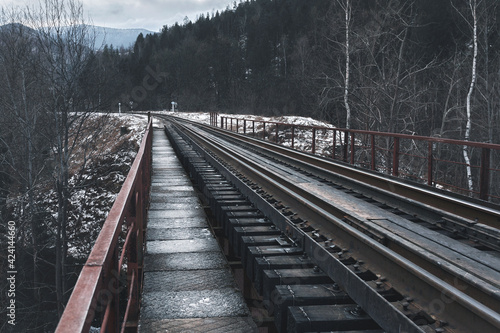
{"x": 94, "y": 189}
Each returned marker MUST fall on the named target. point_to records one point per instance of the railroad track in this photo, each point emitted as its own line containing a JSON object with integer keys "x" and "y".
{"x": 337, "y": 242}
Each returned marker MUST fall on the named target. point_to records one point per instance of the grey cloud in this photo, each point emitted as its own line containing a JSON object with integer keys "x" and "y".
{"x": 148, "y": 14}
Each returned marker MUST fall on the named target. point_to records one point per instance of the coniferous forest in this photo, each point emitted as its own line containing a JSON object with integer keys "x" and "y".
{"x": 420, "y": 67}
{"x": 408, "y": 65}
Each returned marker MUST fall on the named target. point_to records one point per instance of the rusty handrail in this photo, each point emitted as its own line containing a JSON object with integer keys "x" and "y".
{"x": 351, "y": 153}
{"x": 101, "y": 279}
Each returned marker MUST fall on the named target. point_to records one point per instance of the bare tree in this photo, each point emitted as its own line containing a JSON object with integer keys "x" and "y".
{"x": 20, "y": 106}
{"x": 468, "y": 125}
{"x": 65, "y": 43}
{"x": 347, "y": 7}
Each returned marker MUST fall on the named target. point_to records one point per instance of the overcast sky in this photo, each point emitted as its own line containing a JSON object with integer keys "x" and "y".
{"x": 147, "y": 14}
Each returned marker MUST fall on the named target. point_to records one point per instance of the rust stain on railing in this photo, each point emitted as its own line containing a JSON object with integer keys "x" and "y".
{"x": 107, "y": 272}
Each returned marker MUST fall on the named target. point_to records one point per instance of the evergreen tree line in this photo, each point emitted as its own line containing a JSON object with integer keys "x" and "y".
{"x": 421, "y": 67}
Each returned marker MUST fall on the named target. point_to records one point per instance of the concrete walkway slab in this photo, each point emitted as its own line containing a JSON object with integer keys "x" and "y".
{"x": 188, "y": 286}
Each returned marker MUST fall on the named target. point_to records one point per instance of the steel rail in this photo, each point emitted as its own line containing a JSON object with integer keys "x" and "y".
{"x": 438, "y": 264}
{"x": 445, "y": 216}
{"x": 478, "y": 287}
{"x": 98, "y": 286}
{"x": 474, "y": 210}
{"x": 431, "y": 288}
{"x": 484, "y": 233}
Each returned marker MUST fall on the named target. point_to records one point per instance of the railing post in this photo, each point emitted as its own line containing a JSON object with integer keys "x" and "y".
{"x": 253, "y": 128}
{"x": 244, "y": 126}
{"x": 346, "y": 141}
{"x": 334, "y": 143}
{"x": 314, "y": 140}
{"x": 147, "y": 165}
{"x": 484, "y": 177}
{"x": 373, "y": 150}
{"x": 231, "y": 124}
{"x": 430, "y": 158}
{"x": 293, "y": 136}
{"x": 395, "y": 158}
{"x": 263, "y": 130}
{"x": 138, "y": 251}
{"x": 353, "y": 147}
{"x": 111, "y": 294}
{"x": 277, "y": 132}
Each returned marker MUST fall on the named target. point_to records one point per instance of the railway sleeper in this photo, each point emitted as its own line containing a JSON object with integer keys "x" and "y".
{"x": 288, "y": 284}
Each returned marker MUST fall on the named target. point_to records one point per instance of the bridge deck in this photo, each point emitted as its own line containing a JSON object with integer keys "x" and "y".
{"x": 187, "y": 283}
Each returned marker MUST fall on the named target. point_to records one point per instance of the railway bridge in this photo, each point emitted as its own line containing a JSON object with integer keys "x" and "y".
{"x": 232, "y": 227}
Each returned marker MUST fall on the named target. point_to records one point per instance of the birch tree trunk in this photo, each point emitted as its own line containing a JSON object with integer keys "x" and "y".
{"x": 468, "y": 126}
{"x": 347, "y": 9}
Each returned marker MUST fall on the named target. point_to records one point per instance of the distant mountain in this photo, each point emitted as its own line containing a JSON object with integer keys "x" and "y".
{"x": 109, "y": 36}
{"x": 118, "y": 37}
{"x": 16, "y": 28}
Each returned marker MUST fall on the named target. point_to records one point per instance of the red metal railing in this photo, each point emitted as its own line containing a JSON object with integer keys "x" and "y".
{"x": 434, "y": 161}
{"x": 108, "y": 274}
